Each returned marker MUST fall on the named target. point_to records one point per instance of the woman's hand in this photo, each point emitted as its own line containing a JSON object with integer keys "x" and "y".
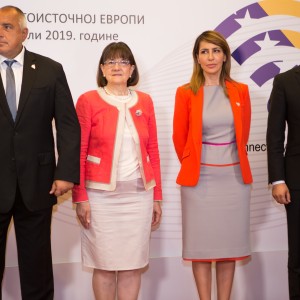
{"x": 156, "y": 217}
{"x": 83, "y": 211}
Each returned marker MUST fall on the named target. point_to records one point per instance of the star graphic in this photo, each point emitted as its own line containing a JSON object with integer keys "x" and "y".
{"x": 246, "y": 20}
{"x": 267, "y": 43}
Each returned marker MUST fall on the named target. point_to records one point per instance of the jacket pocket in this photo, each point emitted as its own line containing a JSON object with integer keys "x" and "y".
{"x": 39, "y": 90}
{"x": 46, "y": 158}
{"x": 93, "y": 159}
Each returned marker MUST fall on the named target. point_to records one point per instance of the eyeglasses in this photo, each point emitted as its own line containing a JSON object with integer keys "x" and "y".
{"x": 112, "y": 63}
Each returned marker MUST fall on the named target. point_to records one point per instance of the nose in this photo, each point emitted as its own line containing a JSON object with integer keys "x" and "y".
{"x": 116, "y": 65}
{"x": 210, "y": 55}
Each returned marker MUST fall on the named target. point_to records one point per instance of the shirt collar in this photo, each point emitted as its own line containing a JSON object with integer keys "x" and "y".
{"x": 19, "y": 58}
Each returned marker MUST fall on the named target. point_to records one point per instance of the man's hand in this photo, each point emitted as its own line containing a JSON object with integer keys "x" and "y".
{"x": 281, "y": 194}
{"x": 60, "y": 187}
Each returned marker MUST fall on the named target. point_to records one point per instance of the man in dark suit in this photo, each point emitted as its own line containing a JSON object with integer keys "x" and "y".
{"x": 284, "y": 162}
{"x": 30, "y": 177}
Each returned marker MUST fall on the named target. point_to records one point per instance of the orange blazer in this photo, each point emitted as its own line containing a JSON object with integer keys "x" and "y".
{"x": 187, "y": 130}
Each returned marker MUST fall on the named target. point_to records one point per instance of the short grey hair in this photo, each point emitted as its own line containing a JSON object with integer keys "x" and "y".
{"x": 21, "y": 15}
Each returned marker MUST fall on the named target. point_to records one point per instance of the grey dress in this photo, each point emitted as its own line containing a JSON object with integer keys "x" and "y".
{"x": 216, "y": 212}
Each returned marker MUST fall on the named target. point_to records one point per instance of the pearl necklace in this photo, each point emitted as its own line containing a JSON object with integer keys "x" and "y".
{"x": 120, "y": 97}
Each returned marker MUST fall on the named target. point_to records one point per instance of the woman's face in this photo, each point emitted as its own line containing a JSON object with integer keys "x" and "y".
{"x": 211, "y": 58}
{"x": 117, "y": 71}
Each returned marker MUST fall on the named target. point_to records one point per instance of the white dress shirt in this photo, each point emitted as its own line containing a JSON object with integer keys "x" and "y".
{"x": 17, "y": 68}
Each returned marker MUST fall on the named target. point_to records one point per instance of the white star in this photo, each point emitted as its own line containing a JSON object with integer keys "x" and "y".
{"x": 245, "y": 21}
{"x": 267, "y": 43}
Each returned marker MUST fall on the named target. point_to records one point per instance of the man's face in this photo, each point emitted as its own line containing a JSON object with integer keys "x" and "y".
{"x": 11, "y": 34}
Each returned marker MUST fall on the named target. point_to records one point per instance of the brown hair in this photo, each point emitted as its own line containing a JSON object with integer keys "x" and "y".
{"x": 198, "y": 78}
{"x": 117, "y": 50}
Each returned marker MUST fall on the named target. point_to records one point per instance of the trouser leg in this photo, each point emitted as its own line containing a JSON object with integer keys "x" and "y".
{"x": 34, "y": 251}
{"x": 293, "y": 223}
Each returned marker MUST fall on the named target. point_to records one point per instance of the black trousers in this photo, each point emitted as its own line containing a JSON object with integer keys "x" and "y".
{"x": 34, "y": 249}
{"x": 293, "y": 224}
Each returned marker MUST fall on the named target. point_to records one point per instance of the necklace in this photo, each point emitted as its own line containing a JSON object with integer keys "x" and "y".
{"x": 121, "y": 97}
{"x": 211, "y": 84}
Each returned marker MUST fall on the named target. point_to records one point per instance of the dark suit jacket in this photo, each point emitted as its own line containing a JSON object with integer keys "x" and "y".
{"x": 27, "y": 150}
{"x": 284, "y": 108}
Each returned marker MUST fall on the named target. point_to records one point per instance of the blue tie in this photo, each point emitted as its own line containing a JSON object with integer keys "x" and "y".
{"x": 11, "y": 88}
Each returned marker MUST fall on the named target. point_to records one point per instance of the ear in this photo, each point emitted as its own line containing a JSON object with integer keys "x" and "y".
{"x": 132, "y": 69}
{"x": 24, "y": 34}
{"x": 102, "y": 69}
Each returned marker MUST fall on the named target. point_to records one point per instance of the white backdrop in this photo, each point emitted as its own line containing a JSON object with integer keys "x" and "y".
{"x": 264, "y": 39}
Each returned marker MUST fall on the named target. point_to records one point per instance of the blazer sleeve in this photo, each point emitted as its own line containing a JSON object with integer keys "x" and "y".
{"x": 67, "y": 130}
{"x": 84, "y": 112}
{"x": 276, "y": 131}
{"x": 153, "y": 151}
{"x": 181, "y": 121}
{"x": 246, "y": 115}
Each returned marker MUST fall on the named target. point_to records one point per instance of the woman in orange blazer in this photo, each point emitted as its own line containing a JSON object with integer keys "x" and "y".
{"x": 210, "y": 131}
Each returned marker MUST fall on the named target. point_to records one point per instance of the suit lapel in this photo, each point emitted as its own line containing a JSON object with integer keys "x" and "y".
{"x": 29, "y": 76}
{"x": 197, "y": 108}
{"x": 236, "y": 105}
{"x": 297, "y": 73}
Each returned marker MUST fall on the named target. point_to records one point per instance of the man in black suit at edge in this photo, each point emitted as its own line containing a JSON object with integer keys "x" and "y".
{"x": 284, "y": 163}
{"x": 30, "y": 177}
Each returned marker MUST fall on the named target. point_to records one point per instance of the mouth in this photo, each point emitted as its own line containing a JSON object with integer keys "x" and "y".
{"x": 211, "y": 66}
{"x": 3, "y": 44}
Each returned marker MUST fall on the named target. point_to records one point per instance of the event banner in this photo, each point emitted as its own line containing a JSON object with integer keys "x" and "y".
{"x": 264, "y": 38}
